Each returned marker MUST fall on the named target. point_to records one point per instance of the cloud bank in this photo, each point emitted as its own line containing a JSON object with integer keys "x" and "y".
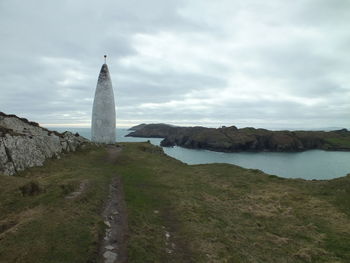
{"x": 255, "y": 63}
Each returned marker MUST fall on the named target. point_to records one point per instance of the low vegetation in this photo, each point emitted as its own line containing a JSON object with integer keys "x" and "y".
{"x": 38, "y": 223}
{"x": 341, "y": 143}
{"x": 176, "y": 212}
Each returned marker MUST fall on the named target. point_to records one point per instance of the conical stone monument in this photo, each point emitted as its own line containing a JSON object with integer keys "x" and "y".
{"x": 103, "y": 110}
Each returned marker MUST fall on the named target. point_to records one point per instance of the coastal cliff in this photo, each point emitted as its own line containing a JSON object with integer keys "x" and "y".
{"x": 232, "y": 139}
{"x": 25, "y": 144}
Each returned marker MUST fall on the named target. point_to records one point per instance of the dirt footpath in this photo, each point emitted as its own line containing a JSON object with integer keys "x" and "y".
{"x": 113, "y": 248}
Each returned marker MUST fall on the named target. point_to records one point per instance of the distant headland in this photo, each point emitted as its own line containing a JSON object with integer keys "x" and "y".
{"x": 232, "y": 139}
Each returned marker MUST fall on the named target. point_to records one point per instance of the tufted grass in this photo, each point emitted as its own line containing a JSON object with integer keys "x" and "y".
{"x": 44, "y": 226}
{"x": 225, "y": 213}
{"x": 176, "y": 212}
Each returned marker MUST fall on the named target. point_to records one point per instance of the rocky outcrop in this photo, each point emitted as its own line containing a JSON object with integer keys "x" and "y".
{"x": 232, "y": 139}
{"x": 25, "y": 144}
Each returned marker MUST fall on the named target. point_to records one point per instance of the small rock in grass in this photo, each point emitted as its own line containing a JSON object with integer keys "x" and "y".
{"x": 110, "y": 257}
{"x": 109, "y": 247}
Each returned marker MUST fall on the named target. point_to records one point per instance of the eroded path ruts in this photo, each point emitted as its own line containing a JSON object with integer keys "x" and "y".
{"x": 113, "y": 248}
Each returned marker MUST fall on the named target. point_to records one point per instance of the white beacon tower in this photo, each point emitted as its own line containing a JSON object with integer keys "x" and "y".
{"x": 103, "y": 120}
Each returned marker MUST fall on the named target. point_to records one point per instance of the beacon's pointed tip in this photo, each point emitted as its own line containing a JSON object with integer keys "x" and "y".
{"x": 105, "y": 56}
{"x": 104, "y": 69}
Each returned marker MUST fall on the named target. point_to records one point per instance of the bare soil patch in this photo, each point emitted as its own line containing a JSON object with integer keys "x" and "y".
{"x": 80, "y": 190}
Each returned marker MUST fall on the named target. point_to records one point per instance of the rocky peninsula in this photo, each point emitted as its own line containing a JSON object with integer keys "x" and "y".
{"x": 232, "y": 139}
{"x": 25, "y": 144}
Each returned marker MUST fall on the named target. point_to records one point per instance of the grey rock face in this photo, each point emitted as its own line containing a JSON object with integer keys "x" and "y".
{"x": 25, "y": 144}
{"x": 103, "y": 111}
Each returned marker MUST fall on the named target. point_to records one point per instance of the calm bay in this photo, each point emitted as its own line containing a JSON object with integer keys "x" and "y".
{"x": 313, "y": 164}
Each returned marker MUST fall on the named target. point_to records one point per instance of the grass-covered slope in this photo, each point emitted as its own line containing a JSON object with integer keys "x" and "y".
{"x": 224, "y": 213}
{"x": 176, "y": 212}
{"x": 39, "y": 224}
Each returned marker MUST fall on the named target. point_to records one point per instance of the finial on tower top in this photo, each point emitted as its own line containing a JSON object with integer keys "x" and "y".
{"x": 105, "y": 56}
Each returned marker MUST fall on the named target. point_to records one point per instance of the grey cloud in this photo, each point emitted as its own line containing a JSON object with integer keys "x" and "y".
{"x": 51, "y": 53}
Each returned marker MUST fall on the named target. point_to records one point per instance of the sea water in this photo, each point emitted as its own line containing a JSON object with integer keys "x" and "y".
{"x": 313, "y": 164}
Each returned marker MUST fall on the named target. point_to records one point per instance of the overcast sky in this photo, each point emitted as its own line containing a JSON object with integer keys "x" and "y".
{"x": 272, "y": 63}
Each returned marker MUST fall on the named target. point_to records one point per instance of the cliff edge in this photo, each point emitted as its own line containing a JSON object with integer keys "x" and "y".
{"x": 232, "y": 139}
{"x": 25, "y": 144}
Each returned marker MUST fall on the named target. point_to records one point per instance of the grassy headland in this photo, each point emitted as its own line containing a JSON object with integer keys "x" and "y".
{"x": 176, "y": 212}
{"x": 232, "y": 139}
